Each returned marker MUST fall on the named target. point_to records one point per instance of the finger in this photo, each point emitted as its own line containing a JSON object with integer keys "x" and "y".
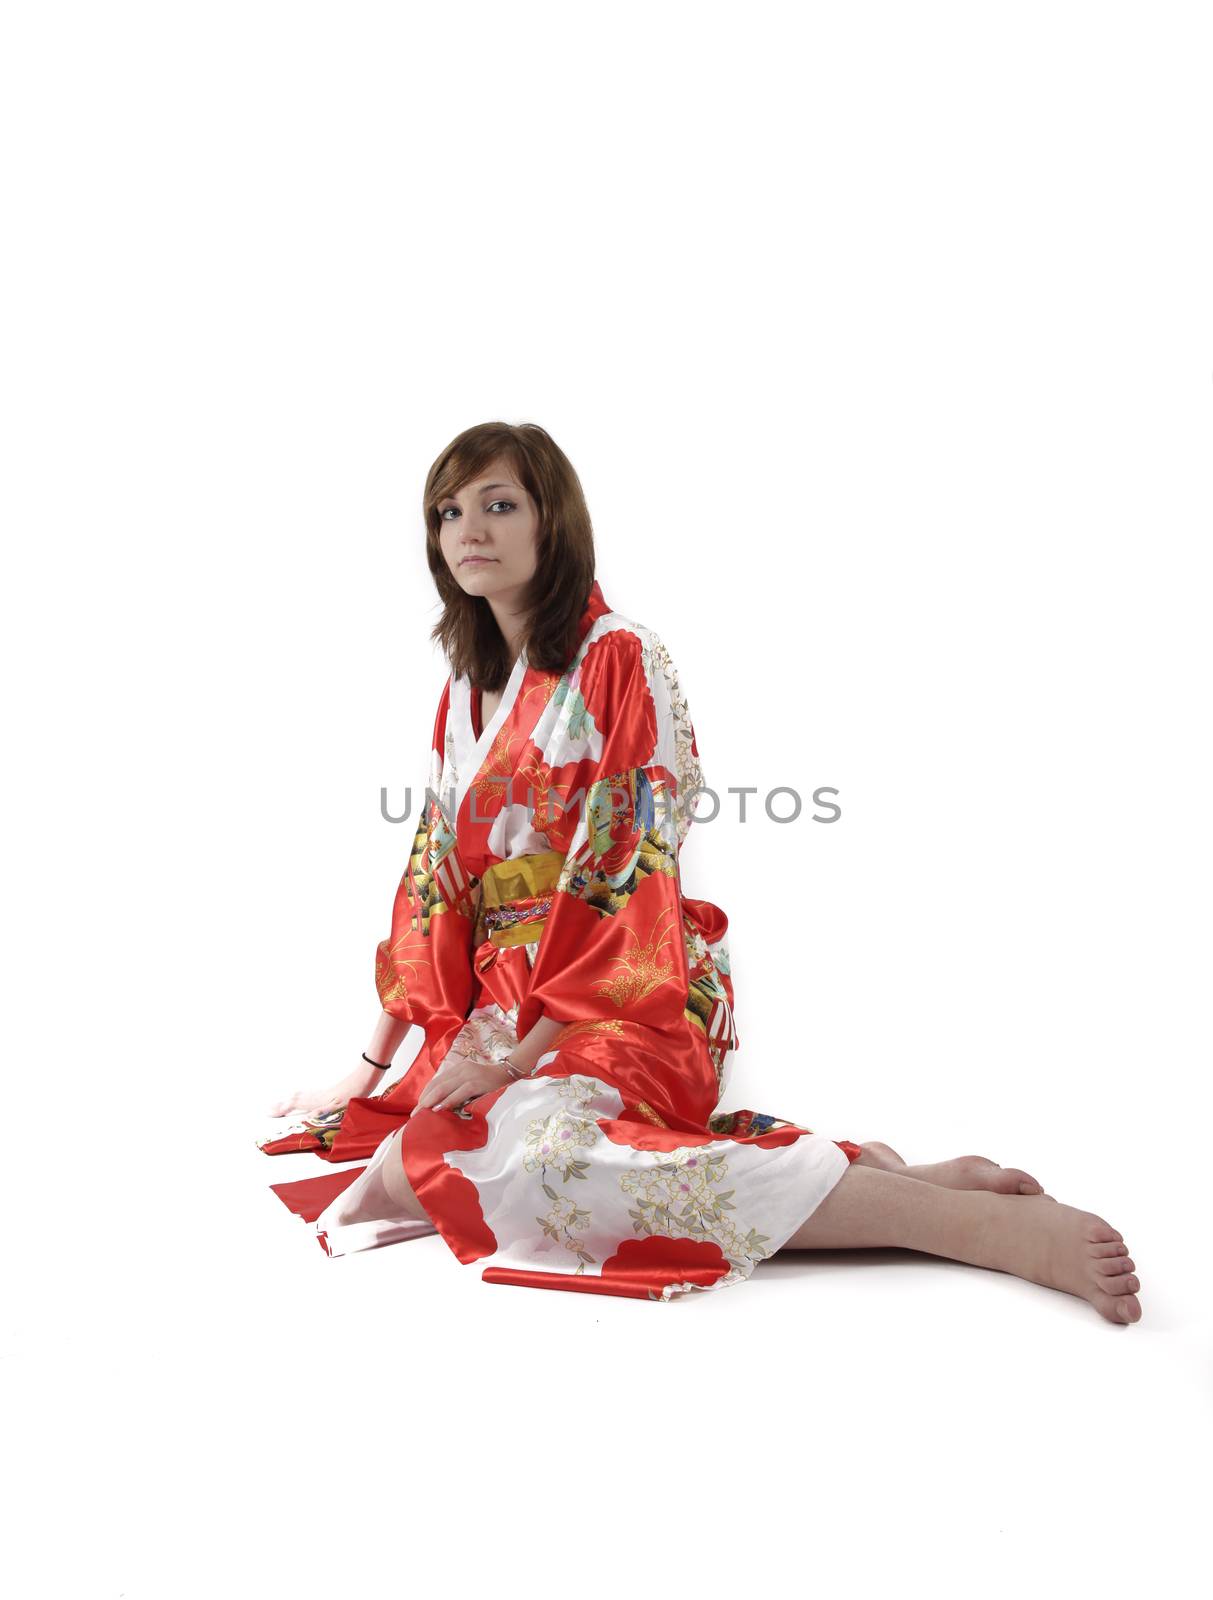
{"x": 455, "y": 1098}
{"x": 434, "y": 1090}
{"x": 433, "y": 1093}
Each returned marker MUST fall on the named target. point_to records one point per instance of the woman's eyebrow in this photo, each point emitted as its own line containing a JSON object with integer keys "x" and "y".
{"x": 484, "y": 489}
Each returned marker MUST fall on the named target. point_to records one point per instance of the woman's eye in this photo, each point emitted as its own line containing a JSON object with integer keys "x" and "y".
{"x": 442, "y": 514}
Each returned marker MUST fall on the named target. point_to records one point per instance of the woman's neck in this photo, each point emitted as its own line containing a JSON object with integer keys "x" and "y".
{"x": 510, "y": 624}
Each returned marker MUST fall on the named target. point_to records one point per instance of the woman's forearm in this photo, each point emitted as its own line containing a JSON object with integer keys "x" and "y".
{"x": 385, "y": 1040}
{"x": 537, "y": 1041}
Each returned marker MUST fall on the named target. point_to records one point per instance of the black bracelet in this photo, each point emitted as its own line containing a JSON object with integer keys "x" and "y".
{"x": 379, "y": 1066}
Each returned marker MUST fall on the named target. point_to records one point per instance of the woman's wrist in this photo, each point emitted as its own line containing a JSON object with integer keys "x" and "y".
{"x": 385, "y": 1040}
{"x": 523, "y": 1057}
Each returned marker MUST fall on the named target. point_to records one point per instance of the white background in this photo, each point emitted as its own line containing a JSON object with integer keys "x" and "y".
{"x": 880, "y": 339}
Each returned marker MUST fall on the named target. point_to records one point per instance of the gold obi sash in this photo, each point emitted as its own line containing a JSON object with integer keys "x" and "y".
{"x": 515, "y": 898}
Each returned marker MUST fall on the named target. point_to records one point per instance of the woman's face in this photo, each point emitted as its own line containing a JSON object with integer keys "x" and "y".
{"x": 489, "y": 532}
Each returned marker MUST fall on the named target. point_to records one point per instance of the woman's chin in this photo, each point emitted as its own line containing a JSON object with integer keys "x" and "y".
{"x": 490, "y": 584}
{"x": 479, "y": 580}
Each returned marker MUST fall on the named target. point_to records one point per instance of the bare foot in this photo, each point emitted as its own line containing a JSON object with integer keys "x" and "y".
{"x": 962, "y": 1172}
{"x": 1063, "y": 1248}
{"x": 363, "y": 1080}
{"x": 976, "y": 1172}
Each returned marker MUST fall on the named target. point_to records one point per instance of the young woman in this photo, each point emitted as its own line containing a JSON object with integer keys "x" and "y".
{"x": 559, "y": 1124}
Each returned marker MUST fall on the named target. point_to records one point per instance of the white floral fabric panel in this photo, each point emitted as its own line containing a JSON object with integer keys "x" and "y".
{"x": 547, "y": 1160}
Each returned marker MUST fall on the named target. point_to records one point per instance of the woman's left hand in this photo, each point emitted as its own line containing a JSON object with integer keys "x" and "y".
{"x": 460, "y": 1078}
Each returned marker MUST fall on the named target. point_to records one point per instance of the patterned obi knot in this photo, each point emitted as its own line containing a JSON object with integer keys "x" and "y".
{"x": 532, "y": 909}
{"x": 516, "y": 898}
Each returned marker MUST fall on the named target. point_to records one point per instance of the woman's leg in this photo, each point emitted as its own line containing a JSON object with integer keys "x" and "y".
{"x": 382, "y": 1192}
{"x": 1032, "y": 1236}
{"x": 875, "y": 1154}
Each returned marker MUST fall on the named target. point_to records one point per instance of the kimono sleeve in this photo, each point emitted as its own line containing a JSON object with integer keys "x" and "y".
{"x": 423, "y": 969}
{"x": 613, "y": 941}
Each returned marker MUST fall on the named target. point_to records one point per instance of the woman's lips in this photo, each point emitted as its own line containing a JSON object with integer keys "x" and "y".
{"x": 477, "y": 561}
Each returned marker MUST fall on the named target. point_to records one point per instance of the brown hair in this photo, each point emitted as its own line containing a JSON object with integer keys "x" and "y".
{"x": 564, "y": 554}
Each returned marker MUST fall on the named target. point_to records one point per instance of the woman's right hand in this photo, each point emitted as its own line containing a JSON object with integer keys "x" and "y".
{"x": 362, "y": 1080}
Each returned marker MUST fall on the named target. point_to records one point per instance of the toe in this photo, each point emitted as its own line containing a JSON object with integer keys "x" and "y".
{"x": 1118, "y": 1308}
{"x": 1118, "y": 1286}
{"x": 1110, "y": 1247}
{"x": 1101, "y": 1232}
{"x": 1114, "y": 1266}
{"x": 1002, "y": 1180}
{"x": 1025, "y": 1183}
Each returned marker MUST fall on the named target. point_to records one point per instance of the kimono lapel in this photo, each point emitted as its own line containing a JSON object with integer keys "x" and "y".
{"x": 494, "y": 775}
{"x": 484, "y": 767}
{"x": 471, "y": 754}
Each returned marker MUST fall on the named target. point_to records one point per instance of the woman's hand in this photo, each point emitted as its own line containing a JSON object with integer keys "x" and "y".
{"x": 359, "y": 1082}
{"x": 363, "y": 1080}
{"x": 460, "y": 1078}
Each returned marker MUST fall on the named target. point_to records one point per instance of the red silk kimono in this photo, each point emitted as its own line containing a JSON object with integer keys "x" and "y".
{"x": 544, "y": 880}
